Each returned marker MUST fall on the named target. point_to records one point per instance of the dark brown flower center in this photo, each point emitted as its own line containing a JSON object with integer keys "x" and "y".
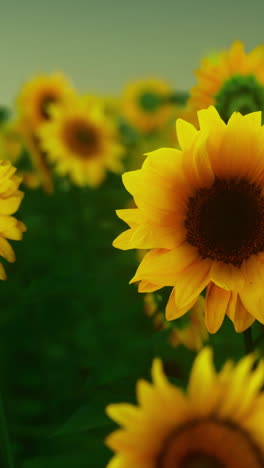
{"x": 198, "y": 460}
{"x": 82, "y": 138}
{"x": 210, "y": 444}
{"x": 226, "y": 221}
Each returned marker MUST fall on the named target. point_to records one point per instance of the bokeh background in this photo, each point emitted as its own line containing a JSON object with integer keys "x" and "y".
{"x": 102, "y": 45}
{"x": 73, "y": 333}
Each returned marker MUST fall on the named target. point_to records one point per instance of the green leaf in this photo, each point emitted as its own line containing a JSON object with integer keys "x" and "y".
{"x": 5, "y": 449}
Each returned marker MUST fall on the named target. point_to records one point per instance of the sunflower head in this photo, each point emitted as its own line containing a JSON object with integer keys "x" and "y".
{"x": 216, "y": 423}
{"x": 39, "y": 95}
{"x": 82, "y": 142}
{"x": 200, "y": 212}
{"x": 233, "y": 81}
{"x": 10, "y": 199}
{"x": 145, "y": 104}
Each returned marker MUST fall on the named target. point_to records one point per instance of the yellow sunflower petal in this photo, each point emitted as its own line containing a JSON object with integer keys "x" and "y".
{"x": 117, "y": 462}
{"x": 124, "y": 462}
{"x": 148, "y": 188}
{"x": 254, "y": 119}
{"x": 191, "y": 282}
{"x": 145, "y": 287}
{"x": 216, "y": 304}
{"x": 10, "y": 205}
{"x": 6, "y": 251}
{"x": 197, "y": 164}
{"x": 158, "y": 375}
{"x": 173, "y": 311}
{"x": 186, "y": 133}
{"x": 234, "y": 396}
{"x": 162, "y": 267}
{"x": 11, "y": 228}
{"x": 209, "y": 119}
{"x": 227, "y": 276}
{"x": 132, "y": 216}
{"x": 251, "y": 294}
{"x": 165, "y": 162}
{"x": 202, "y": 377}
{"x": 123, "y": 413}
{"x": 2, "y": 273}
{"x": 238, "y": 314}
{"x": 253, "y": 386}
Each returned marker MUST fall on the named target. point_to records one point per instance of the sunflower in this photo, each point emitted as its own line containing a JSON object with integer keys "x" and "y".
{"x": 201, "y": 212}
{"x": 146, "y": 105}
{"x": 232, "y": 81}
{"x": 38, "y": 95}
{"x": 82, "y": 143}
{"x": 217, "y": 423}
{"x": 10, "y": 199}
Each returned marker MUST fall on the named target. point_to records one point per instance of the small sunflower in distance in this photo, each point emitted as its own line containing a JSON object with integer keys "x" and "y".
{"x": 217, "y": 423}
{"x": 231, "y": 81}
{"x": 38, "y": 95}
{"x": 201, "y": 212}
{"x": 82, "y": 143}
{"x": 10, "y": 199}
{"x": 146, "y": 105}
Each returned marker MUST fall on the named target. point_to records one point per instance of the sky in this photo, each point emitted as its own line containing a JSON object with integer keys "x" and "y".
{"x": 101, "y": 45}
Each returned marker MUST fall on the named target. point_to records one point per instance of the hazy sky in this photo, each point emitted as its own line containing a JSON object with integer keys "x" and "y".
{"x": 103, "y": 44}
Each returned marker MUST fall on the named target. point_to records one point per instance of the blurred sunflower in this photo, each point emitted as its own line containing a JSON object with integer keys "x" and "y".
{"x": 146, "y": 105}
{"x": 201, "y": 212}
{"x": 38, "y": 95}
{"x": 82, "y": 143}
{"x": 231, "y": 81}
{"x": 10, "y": 199}
{"x": 218, "y": 423}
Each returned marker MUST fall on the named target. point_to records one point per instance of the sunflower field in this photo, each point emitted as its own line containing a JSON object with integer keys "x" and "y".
{"x": 132, "y": 271}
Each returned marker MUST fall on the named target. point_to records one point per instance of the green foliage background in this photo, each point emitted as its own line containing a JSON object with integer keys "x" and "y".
{"x": 73, "y": 333}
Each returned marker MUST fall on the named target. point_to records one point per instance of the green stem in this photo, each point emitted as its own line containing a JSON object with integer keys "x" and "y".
{"x": 248, "y": 341}
{"x": 5, "y": 449}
